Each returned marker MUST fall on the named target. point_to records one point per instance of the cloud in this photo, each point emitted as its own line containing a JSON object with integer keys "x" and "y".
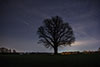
{"x": 82, "y": 45}
{"x": 86, "y": 42}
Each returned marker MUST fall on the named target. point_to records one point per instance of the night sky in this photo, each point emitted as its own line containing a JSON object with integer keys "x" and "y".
{"x": 20, "y": 19}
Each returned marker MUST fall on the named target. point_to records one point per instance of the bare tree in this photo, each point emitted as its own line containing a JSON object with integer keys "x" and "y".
{"x": 54, "y": 33}
{"x": 99, "y": 49}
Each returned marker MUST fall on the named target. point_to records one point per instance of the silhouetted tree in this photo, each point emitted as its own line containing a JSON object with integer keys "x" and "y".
{"x": 99, "y": 49}
{"x": 14, "y": 51}
{"x": 55, "y": 33}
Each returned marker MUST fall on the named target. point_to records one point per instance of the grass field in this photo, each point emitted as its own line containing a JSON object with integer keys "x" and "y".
{"x": 79, "y": 60}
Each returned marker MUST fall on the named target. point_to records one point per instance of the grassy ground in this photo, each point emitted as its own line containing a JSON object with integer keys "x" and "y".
{"x": 80, "y": 60}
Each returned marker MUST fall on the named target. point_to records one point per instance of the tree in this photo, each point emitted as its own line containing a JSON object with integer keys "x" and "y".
{"x": 99, "y": 49}
{"x": 54, "y": 33}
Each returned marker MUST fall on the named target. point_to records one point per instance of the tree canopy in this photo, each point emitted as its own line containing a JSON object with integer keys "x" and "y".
{"x": 55, "y": 32}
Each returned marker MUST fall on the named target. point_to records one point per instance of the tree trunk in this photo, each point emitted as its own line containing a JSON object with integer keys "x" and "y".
{"x": 56, "y": 50}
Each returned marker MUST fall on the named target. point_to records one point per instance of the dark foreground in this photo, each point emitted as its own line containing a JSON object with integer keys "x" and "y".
{"x": 40, "y": 60}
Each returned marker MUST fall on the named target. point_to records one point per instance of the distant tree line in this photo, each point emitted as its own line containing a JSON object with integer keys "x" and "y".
{"x": 6, "y": 50}
{"x": 84, "y": 52}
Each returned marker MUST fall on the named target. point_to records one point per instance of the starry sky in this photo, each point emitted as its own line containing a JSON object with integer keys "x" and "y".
{"x": 20, "y": 19}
